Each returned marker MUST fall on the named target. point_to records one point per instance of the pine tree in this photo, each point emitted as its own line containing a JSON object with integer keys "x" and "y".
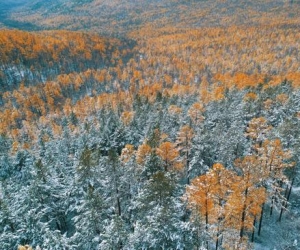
{"x": 184, "y": 145}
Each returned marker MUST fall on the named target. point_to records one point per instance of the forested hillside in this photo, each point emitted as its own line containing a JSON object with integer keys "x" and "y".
{"x": 118, "y": 17}
{"x": 154, "y": 125}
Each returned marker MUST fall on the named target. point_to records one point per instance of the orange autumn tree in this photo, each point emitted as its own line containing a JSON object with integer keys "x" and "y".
{"x": 245, "y": 202}
{"x": 127, "y": 152}
{"x": 257, "y": 130}
{"x": 200, "y": 199}
{"x": 157, "y": 153}
{"x": 143, "y": 151}
{"x": 224, "y": 183}
{"x": 169, "y": 154}
{"x": 196, "y": 113}
{"x": 207, "y": 195}
{"x": 127, "y": 117}
{"x": 273, "y": 160}
{"x": 230, "y": 200}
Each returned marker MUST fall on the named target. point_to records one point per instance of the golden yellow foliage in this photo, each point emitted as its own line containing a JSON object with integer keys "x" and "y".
{"x": 168, "y": 152}
{"x": 258, "y": 128}
{"x": 143, "y": 151}
{"x": 174, "y": 110}
{"x": 127, "y": 153}
{"x": 196, "y": 113}
{"x": 127, "y": 117}
{"x": 250, "y": 96}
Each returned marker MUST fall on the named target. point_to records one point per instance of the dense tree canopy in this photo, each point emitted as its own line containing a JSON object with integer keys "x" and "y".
{"x": 178, "y": 136}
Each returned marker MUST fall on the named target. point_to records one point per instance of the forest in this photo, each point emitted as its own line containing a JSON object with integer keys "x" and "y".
{"x": 150, "y": 125}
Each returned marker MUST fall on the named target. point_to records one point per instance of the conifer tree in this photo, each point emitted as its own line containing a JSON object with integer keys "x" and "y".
{"x": 184, "y": 145}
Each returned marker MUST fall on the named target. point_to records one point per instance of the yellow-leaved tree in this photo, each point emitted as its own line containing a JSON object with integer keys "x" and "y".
{"x": 245, "y": 202}
{"x": 169, "y": 154}
{"x": 272, "y": 162}
{"x": 207, "y": 195}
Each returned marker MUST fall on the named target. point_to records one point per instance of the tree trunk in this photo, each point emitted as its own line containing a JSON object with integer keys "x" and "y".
{"x": 285, "y": 203}
{"x": 118, "y": 202}
{"x": 290, "y": 191}
{"x": 261, "y": 218}
{"x": 243, "y": 215}
{"x": 166, "y": 166}
{"x": 272, "y": 203}
{"x": 218, "y": 234}
{"x": 281, "y": 210}
{"x": 206, "y": 220}
{"x": 188, "y": 168}
{"x": 120, "y": 245}
{"x": 253, "y": 230}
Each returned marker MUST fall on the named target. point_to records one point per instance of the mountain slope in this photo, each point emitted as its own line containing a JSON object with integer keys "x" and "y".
{"x": 12, "y": 6}
{"x": 119, "y": 17}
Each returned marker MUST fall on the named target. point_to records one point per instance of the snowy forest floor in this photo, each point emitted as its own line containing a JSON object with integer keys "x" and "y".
{"x": 284, "y": 235}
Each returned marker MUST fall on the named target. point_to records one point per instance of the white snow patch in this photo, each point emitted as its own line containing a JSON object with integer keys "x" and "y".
{"x": 296, "y": 189}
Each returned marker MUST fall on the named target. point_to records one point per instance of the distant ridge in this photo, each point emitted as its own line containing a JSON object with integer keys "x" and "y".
{"x": 119, "y": 17}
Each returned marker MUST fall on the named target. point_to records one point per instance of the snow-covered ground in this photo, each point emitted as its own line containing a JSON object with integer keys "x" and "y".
{"x": 284, "y": 235}
{"x": 296, "y": 189}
